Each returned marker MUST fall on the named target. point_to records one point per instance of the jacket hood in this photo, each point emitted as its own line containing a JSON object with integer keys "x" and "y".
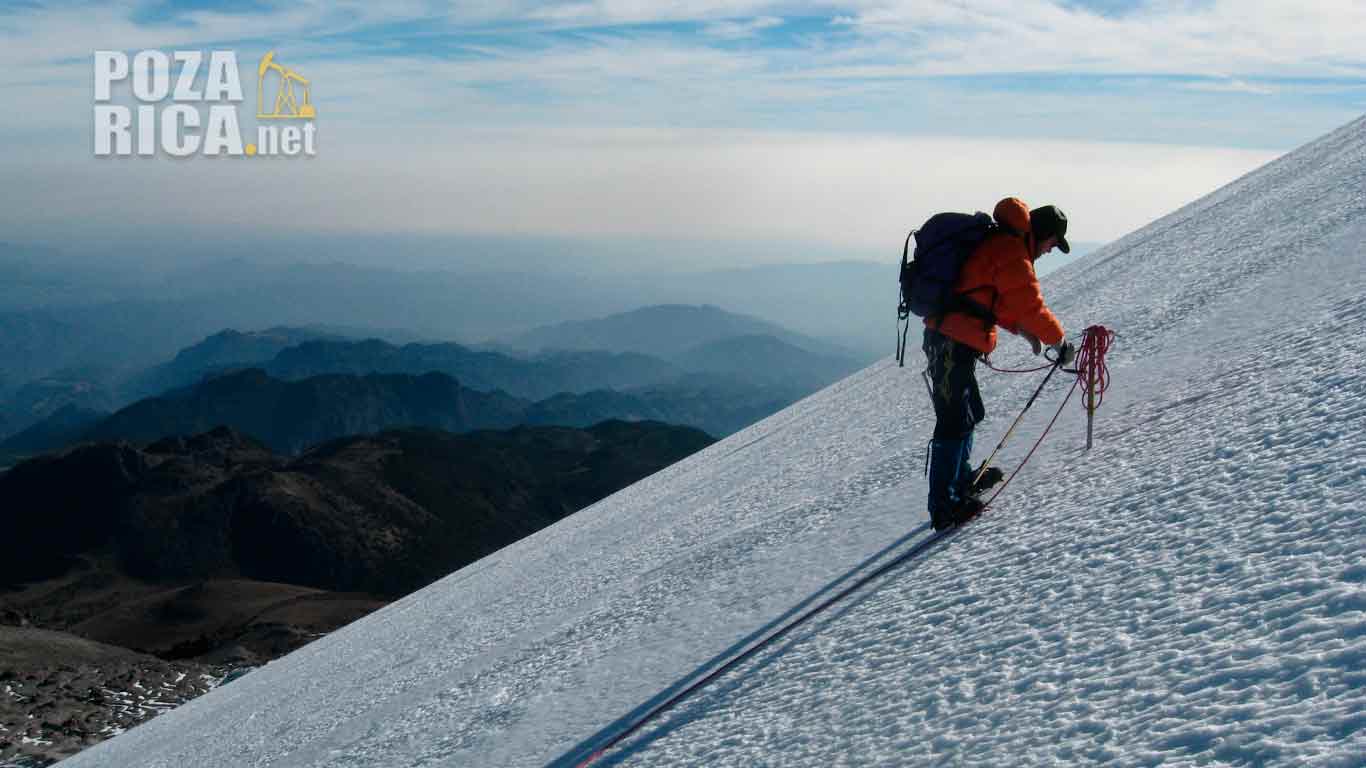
{"x": 1013, "y": 213}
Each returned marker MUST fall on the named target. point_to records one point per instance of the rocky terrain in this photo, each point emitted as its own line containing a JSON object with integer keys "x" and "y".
{"x": 137, "y": 576}
{"x": 60, "y": 693}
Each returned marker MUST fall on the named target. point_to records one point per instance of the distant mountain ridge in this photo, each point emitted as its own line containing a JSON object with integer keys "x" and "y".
{"x": 665, "y": 330}
{"x": 294, "y": 387}
{"x": 767, "y": 360}
{"x": 226, "y": 350}
{"x": 483, "y": 370}
{"x": 127, "y": 321}
{"x": 291, "y": 416}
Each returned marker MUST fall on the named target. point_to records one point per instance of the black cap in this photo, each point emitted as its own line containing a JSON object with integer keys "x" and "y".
{"x": 1050, "y": 221}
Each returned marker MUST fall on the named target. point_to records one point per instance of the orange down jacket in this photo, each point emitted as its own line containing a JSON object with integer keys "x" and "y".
{"x": 1000, "y": 275}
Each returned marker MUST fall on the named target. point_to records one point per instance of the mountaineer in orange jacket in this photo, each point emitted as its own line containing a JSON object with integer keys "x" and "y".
{"x": 997, "y": 286}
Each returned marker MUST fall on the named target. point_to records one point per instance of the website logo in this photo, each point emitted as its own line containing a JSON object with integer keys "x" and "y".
{"x": 286, "y": 106}
{"x": 188, "y": 103}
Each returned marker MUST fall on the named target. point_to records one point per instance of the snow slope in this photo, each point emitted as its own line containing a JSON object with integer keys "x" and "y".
{"x": 1191, "y": 591}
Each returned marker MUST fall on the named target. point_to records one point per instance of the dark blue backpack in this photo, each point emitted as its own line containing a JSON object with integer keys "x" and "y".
{"x": 942, "y": 245}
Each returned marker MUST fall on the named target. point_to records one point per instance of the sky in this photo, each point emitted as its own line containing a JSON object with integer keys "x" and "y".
{"x": 786, "y": 131}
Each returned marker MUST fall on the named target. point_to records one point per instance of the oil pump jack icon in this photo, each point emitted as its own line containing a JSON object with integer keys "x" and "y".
{"x": 286, "y": 105}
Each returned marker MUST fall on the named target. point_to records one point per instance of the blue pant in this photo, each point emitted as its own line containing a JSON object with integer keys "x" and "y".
{"x": 957, "y": 409}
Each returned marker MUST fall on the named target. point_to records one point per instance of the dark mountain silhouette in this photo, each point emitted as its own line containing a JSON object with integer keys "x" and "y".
{"x": 322, "y": 389}
{"x": 382, "y": 514}
{"x": 774, "y": 357}
{"x": 64, "y": 427}
{"x": 744, "y": 379}
{"x": 289, "y": 416}
{"x": 719, "y": 386}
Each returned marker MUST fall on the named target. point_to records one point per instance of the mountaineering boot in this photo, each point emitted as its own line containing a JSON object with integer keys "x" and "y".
{"x": 941, "y": 522}
{"x": 946, "y": 461}
{"x": 986, "y": 482}
{"x": 968, "y": 508}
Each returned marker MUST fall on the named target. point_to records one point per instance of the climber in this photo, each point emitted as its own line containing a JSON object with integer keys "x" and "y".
{"x": 996, "y": 287}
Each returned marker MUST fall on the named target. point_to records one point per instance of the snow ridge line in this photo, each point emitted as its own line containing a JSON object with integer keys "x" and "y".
{"x": 595, "y": 746}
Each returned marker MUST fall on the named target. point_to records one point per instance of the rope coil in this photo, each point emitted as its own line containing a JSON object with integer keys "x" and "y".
{"x": 1091, "y": 365}
{"x": 1091, "y": 360}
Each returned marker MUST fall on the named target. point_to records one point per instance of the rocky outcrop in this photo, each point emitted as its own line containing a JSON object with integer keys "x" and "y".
{"x": 381, "y": 514}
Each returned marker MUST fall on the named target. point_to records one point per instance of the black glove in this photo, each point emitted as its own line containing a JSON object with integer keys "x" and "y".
{"x": 1065, "y": 352}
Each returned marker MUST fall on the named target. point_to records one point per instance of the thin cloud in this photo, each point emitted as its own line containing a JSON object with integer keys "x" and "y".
{"x": 1230, "y": 86}
{"x": 1236, "y": 42}
{"x": 1217, "y": 39}
{"x": 739, "y": 30}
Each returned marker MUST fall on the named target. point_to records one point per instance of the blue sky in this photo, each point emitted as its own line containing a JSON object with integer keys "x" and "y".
{"x": 731, "y": 119}
{"x": 1173, "y": 73}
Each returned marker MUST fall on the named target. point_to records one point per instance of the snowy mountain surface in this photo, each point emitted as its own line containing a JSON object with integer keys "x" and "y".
{"x": 1192, "y": 591}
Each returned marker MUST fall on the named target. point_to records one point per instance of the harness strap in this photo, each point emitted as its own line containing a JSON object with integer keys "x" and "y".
{"x": 903, "y": 310}
{"x": 963, "y": 304}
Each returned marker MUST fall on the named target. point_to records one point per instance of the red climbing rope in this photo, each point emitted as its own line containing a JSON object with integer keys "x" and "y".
{"x": 1091, "y": 361}
{"x": 1091, "y": 368}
